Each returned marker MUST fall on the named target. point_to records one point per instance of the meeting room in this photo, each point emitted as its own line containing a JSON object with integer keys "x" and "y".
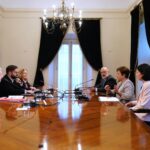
{"x": 75, "y": 74}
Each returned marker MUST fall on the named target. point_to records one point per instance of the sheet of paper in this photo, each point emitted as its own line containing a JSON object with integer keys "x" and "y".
{"x": 108, "y": 99}
{"x": 23, "y": 108}
{"x": 15, "y": 96}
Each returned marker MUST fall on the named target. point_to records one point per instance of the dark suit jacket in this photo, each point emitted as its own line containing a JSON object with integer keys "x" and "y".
{"x": 24, "y": 85}
{"x": 9, "y": 88}
{"x": 101, "y": 83}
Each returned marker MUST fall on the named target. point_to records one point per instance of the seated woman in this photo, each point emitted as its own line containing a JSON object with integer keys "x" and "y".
{"x": 143, "y": 100}
{"x": 124, "y": 89}
{"x": 23, "y": 82}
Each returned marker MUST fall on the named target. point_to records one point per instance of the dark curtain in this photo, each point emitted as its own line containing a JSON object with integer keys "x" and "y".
{"x": 146, "y": 6}
{"x": 49, "y": 46}
{"x": 134, "y": 42}
{"x": 89, "y": 39}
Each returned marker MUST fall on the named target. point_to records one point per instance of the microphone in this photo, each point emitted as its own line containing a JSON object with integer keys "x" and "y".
{"x": 51, "y": 90}
{"x": 78, "y": 92}
{"x": 83, "y": 83}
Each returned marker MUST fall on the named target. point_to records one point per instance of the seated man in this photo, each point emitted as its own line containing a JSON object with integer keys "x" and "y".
{"x": 103, "y": 79}
{"x": 8, "y": 84}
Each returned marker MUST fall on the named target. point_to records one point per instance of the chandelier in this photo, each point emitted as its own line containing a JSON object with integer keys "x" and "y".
{"x": 64, "y": 16}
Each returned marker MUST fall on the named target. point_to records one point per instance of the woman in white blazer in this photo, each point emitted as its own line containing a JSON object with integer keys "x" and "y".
{"x": 143, "y": 100}
{"x": 124, "y": 90}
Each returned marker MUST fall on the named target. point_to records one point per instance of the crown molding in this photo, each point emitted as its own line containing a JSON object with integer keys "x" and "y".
{"x": 88, "y": 13}
{"x": 31, "y": 10}
{"x": 131, "y": 5}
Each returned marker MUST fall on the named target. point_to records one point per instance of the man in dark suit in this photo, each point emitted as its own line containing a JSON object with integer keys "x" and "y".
{"x": 8, "y": 84}
{"x": 103, "y": 79}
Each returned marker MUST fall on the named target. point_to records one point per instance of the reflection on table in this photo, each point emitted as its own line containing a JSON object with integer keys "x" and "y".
{"x": 72, "y": 125}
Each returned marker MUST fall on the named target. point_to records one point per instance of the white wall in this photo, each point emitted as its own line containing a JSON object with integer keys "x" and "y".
{"x": 115, "y": 40}
{"x": 20, "y": 43}
{"x": 20, "y": 39}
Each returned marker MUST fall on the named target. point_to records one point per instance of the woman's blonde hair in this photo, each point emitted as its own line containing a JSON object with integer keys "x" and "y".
{"x": 20, "y": 73}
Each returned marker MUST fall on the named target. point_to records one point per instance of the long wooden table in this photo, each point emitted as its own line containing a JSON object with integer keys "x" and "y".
{"x": 72, "y": 125}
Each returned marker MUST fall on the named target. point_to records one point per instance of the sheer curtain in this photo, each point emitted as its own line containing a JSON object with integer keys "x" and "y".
{"x": 77, "y": 65}
{"x": 63, "y": 67}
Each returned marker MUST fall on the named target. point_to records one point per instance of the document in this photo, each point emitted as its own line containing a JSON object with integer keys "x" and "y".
{"x": 15, "y": 96}
{"x": 108, "y": 99}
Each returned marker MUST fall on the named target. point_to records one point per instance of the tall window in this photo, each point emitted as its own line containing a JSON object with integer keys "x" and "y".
{"x": 63, "y": 67}
{"x": 69, "y": 67}
{"x": 77, "y": 65}
{"x": 143, "y": 49}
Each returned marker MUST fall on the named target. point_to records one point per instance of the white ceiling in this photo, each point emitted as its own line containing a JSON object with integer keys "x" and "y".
{"x": 79, "y": 4}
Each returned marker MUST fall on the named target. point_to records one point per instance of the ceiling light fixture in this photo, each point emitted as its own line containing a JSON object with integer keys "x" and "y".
{"x": 63, "y": 16}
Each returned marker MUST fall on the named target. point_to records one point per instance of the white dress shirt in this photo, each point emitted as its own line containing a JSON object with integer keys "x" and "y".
{"x": 143, "y": 101}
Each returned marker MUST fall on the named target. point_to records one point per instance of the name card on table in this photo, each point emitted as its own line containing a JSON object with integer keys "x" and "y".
{"x": 108, "y": 99}
{"x": 14, "y": 98}
{"x": 23, "y": 108}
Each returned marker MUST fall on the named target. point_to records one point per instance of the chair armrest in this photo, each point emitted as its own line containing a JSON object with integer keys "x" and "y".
{"x": 141, "y": 111}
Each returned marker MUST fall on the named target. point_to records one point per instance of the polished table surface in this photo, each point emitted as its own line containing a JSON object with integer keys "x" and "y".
{"x": 72, "y": 125}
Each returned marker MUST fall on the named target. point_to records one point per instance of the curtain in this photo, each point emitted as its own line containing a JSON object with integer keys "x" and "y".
{"x": 89, "y": 40}
{"x": 134, "y": 42}
{"x": 146, "y": 6}
{"x": 49, "y": 46}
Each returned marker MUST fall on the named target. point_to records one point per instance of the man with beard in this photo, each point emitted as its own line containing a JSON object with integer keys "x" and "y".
{"x": 103, "y": 79}
{"x": 8, "y": 84}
